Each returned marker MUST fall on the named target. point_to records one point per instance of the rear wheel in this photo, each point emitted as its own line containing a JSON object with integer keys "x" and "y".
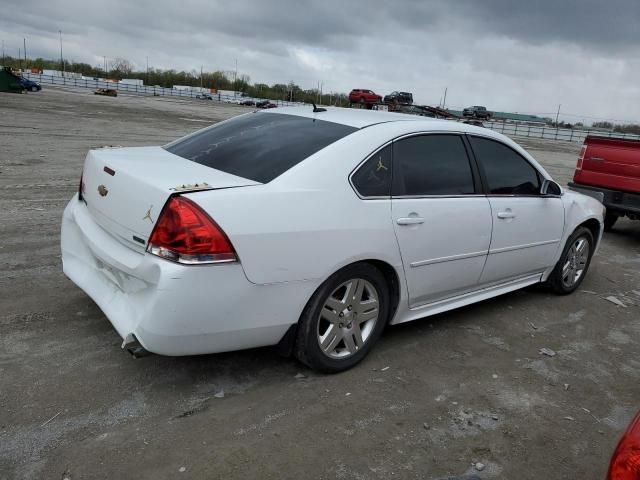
{"x": 609, "y": 221}
{"x": 343, "y": 319}
{"x": 574, "y": 262}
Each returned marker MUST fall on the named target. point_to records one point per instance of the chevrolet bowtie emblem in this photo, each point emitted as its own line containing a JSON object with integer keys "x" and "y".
{"x": 148, "y": 215}
{"x": 102, "y": 190}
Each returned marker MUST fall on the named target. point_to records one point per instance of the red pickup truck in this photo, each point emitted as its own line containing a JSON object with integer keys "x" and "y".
{"x": 609, "y": 170}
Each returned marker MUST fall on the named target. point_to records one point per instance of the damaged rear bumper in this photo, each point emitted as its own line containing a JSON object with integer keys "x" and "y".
{"x": 172, "y": 309}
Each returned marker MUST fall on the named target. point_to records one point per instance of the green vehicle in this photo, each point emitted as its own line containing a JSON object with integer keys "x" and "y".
{"x": 9, "y": 81}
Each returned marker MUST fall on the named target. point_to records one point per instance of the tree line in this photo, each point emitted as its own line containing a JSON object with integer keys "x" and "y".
{"x": 119, "y": 68}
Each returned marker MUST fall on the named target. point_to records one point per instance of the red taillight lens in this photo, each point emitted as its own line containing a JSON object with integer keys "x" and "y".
{"x": 625, "y": 463}
{"x": 184, "y": 233}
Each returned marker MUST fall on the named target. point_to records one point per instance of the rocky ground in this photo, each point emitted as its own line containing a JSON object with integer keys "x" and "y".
{"x": 461, "y": 394}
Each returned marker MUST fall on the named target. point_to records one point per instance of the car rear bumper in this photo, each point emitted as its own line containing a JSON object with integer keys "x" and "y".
{"x": 615, "y": 200}
{"x": 174, "y": 309}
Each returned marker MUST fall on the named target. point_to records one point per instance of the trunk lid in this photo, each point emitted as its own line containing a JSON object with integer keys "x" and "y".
{"x": 126, "y": 188}
{"x": 610, "y": 163}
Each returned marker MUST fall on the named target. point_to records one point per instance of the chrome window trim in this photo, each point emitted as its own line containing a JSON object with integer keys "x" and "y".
{"x": 395, "y": 139}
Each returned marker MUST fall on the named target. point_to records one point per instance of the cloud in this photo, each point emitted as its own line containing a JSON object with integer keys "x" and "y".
{"x": 508, "y": 55}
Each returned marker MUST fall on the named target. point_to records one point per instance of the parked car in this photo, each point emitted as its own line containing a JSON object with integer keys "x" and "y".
{"x": 30, "y": 85}
{"x": 361, "y": 95}
{"x": 265, "y": 104}
{"x": 291, "y": 231}
{"x": 248, "y": 103}
{"x": 204, "y": 96}
{"x": 609, "y": 170}
{"x": 625, "y": 462}
{"x": 107, "y": 92}
{"x": 404, "y": 98}
{"x": 477, "y": 111}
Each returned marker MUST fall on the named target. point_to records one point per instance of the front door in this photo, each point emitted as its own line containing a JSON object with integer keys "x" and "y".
{"x": 442, "y": 223}
{"x": 527, "y": 226}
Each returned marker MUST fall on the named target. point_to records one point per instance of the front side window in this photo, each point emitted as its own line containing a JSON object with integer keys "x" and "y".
{"x": 507, "y": 172}
{"x": 431, "y": 165}
{"x": 259, "y": 146}
{"x": 373, "y": 178}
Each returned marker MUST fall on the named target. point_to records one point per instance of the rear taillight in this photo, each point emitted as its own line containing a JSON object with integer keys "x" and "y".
{"x": 625, "y": 463}
{"x": 184, "y": 233}
{"x": 583, "y": 151}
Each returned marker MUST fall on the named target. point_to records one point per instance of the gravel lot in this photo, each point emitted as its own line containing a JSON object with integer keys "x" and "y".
{"x": 434, "y": 397}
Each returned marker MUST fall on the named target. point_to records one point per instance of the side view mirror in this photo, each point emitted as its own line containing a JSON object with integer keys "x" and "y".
{"x": 549, "y": 187}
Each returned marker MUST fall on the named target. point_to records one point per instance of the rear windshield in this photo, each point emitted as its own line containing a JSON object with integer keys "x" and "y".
{"x": 259, "y": 146}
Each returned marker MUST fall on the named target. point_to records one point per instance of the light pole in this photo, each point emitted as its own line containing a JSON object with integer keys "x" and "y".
{"x": 147, "y": 70}
{"x": 61, "y": 60}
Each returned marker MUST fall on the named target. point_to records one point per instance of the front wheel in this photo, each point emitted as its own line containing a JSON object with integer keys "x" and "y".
{"x": 574, "y": 262}
{"x": 343, "y": 319}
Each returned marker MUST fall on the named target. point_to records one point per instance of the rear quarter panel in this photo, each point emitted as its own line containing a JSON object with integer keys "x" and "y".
{"x": 307, "y": 223}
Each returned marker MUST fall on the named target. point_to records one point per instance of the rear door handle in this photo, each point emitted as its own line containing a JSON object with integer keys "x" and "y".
{"x": 506, "y": 214}
{"x": 597, "y": 159}
{"x": 410, "y": 220}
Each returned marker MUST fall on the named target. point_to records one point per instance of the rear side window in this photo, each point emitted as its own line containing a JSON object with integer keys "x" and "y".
{"x": 507, "y": 172}
{"x": 373, "y": 178}
{"x": 431, "y": 165}
{"x": 259, "y": 146}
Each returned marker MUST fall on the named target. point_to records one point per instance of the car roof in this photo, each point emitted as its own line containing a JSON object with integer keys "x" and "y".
{"x": 353, "y": 117}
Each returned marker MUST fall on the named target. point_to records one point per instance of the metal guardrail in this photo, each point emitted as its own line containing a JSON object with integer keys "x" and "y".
{"x": 517, "y": 129}
{"x": 94, "y": 84}
{"x": 550, "y": 133}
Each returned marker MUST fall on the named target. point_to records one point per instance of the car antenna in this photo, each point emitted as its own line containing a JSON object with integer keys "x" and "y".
{"x": 317, "y": 109}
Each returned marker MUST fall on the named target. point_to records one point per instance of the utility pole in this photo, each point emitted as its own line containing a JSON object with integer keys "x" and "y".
{"x": 235, "y": 75}
{"x": 558, "y": 114}
{"x": 444, "y": 102}
{"x": 2, "y": 52}
{"x": 61, "y": 60}
{"x": 147, "y": 70}
{"x": 200, "y": 76}
{"x": 105, "y": 66}
{"x": 24, "y": 40}
{"x": 19, "y": 58}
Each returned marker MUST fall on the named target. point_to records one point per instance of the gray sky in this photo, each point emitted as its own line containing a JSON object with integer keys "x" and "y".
{"x": 510, "y": 55}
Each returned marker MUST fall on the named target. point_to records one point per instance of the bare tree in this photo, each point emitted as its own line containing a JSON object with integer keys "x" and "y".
{"x": 121, "y": 67}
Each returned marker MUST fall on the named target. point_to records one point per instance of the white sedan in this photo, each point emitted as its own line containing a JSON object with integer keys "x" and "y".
{"x": 314, "y": 229}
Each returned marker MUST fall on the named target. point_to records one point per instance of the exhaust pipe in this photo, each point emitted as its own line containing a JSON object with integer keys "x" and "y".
{"x": 133, "y": 346}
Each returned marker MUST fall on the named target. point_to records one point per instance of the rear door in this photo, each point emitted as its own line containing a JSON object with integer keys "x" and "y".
{"x": 442, "y": 222}
{"x": 527, "y": 226}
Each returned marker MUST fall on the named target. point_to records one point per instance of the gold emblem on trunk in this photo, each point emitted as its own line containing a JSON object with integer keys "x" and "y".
{"x": 102, "y": 190}
{"x": 148, "y": 215}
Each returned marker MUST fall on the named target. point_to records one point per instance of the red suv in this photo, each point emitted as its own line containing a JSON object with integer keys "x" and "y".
{"x": 360, "y": 95}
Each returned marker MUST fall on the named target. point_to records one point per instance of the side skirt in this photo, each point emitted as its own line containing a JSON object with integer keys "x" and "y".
{"x": 468, "y": 298}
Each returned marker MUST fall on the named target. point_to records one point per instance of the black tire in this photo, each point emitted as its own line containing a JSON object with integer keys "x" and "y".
{"x": 609, "y": 221}
{"x": 307, "y": 348}
{"x": 555, "y": 280}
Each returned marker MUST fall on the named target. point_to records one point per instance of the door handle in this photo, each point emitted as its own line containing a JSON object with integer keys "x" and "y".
{"x": 506, "y": 214}
{"x": 597, "y": 159}
{"x": 410, "y": 220}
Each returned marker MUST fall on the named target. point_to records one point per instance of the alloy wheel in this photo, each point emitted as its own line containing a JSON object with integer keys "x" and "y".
{"x": 575, "y": 262}
{"x": 347, "y": 318}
